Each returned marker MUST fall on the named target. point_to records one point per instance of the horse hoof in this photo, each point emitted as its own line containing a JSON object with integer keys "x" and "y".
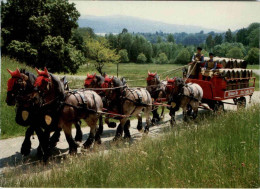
{"x": 39, "y": 152}
{"x": 26, "y": 149}
{"x": 78, "y": 138}
{"x": 73, "y": 151}
{"x": 53, "y": 144}
{"x": 139, "y": 127}
{"x": 146, "y": 130}
{"x": 112, "y": 125}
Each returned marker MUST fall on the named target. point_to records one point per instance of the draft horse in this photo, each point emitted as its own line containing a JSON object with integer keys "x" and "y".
{"x": 181, "y": 95}
{"x": 20, "y": 93}
{"x": 70, "y": 107}
{"x": 157, "y": 90}
{"x": 128, "y": 102}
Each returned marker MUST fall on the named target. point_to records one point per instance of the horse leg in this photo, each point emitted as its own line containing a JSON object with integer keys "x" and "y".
{"x": 100, "y": 127}
{"x": 55, "y": 137}
{"x": 79, "y": 133}
{"x": 195, "y": 110}
{"x": 172, "y": 114}
{"x": 148, "y": 119}
{"x": 42, "y": 149}
{"x": 162, "y": 113}
{"x": 185, "y": 117}
{"x": 110, "y": 124}
{"x": 92, "y": 123}
{"x": 119, "y": 130}
{"x": 156, "y": 117}
{"x": 67, "y": 131}
{"x": 126, "y": 129}
{"x": 26, "y": 146}
{"x": 139, "y": 124}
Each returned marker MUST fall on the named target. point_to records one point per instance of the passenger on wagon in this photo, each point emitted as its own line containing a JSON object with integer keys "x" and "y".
{"x": 198, "y": 56}
{"x": 197, "y": 60}
{"x": 210, "y": 64}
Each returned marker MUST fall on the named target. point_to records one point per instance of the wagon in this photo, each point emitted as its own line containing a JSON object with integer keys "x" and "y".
{"x": 225, "y": 83}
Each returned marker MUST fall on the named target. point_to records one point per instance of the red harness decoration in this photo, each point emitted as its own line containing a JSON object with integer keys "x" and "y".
{"x": 106, "y": 82}
{"x": 10, "y": 83}
{"x": 39, "y": 79}
{"x": 89, "y": 80}
{"x": 15, "y": 75}
{"x": 42, "y": 76}
{"x": 150, "y": 76}
{"x": 170, "y": 84}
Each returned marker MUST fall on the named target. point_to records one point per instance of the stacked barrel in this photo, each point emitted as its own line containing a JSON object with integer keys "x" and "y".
{"x": 234, "y": 71}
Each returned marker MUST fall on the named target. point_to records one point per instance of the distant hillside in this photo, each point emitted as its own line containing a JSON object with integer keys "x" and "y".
{"x": 115, "y": 24}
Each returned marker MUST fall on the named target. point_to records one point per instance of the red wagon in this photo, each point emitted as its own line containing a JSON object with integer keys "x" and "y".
{"x": 223, "y": 84}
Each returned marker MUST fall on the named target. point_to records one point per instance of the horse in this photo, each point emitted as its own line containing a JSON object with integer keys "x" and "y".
{"x": 20, "y": 93}
{"x": 187, "y": 96}
{"x": 157, "y": 90}
{"x": 97, "y": 82}
{"x": 127, "y": 102}
{"x": 70, "y": 107}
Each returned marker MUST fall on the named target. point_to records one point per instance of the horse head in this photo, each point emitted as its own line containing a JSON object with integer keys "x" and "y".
{"x": 174, "y": 85}
{"x": 43, "y": 80}
{"x": 91, "y": 81}
{"x": 152, "y": 79}
{"x": 16, "y": 85}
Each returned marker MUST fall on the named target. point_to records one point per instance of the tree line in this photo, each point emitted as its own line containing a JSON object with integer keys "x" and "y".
{"x": 45, "y": 33}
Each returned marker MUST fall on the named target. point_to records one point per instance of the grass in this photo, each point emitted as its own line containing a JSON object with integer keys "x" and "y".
{"x": 216, "y": 151}
{"x": 254, "y": 66}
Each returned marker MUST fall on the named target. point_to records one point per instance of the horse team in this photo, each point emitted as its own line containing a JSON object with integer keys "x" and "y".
{"x": 45, "y": 104}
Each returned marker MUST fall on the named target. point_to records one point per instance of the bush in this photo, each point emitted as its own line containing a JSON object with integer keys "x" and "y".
{"x": 235, "y": 52}
{"x": 253, "y": 56}
{"x": 162, "y": 59}
{"x": 183, "y": 57}
{"x": 141, "y": 58}
{"x": 23, "y": 51}
{"x": 123, "y": 55}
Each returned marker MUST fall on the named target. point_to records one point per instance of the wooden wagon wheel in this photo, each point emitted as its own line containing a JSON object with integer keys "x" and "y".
{"x": 241, "y": 102}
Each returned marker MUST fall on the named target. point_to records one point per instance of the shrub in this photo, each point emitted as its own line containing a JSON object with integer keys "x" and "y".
{"x": 141, "y": 58}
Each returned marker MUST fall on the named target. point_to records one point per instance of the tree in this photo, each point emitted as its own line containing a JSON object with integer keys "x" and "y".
{"x": 228, "y": 36}
{"x": 162, "y": 59}
{"x": 183, "y": 57}
{"x": 159, "y": 39}
{"x": 141, "y": 58}
{"x": 254, "y": 38}
{"x": 37, "y": 26}
{"x": 170, "y": 38}
{"x": 123, "y": 55}
{"x": 218, "y": 39}
{"x": 242, "y": 36}
{"x": 124, "y": 30}
{"x": 235, "y": 52}
{"x": 253, "y": 56}
{"x": 210, "y": 42}
{"x": 100, "y": 52}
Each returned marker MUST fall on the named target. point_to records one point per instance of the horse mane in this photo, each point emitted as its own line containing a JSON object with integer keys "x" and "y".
{"x": 31, "y": 77}
{"x": 117, "y": 82}
{"x": 100, "y": 79}
{"x": 59, "y": 88}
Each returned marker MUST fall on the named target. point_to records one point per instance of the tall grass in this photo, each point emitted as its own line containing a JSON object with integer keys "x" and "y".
{"x": 216, "y": 151}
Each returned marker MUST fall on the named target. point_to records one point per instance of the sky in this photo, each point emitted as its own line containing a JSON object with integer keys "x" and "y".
{"x": 210, "y": 14}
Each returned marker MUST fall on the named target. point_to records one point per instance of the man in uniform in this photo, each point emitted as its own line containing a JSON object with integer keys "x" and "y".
{"x": 197, "y": 59}
{"x": 210, "y": 66}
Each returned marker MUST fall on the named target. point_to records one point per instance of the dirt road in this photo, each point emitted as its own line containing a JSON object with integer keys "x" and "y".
{"x": 10, "y": 148}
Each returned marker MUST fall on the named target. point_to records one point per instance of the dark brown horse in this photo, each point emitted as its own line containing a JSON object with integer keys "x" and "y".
{"x": 28, "y": 113}
{"x": 68, "y": 108}
{"x": 185, "y": 96}
{"x": 157, "y": 90}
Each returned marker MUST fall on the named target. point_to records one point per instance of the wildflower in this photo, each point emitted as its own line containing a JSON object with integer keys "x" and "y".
{"x": 243, "y": 164}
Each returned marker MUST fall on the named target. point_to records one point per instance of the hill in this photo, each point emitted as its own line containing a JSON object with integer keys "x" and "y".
{"x": 115, "y": 24}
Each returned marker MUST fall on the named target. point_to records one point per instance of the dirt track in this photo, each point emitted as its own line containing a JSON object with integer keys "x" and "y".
{"x": 10, "y": 148}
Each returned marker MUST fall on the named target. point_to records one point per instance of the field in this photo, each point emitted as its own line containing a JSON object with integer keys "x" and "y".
{"x": 215, "y": 151}
{"x": 135, "y": 74}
